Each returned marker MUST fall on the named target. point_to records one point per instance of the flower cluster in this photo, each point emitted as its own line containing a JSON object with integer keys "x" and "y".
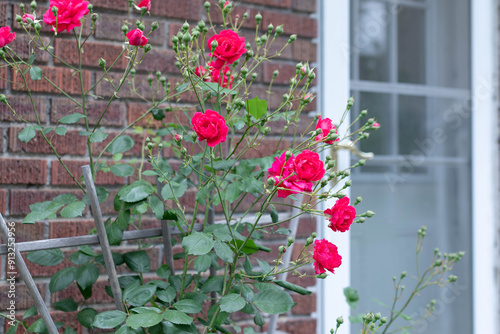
{"x": 65, "y": 14}
{"x": 226, "y": 48}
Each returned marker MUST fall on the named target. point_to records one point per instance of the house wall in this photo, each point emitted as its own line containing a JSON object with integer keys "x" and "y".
{"x": 29, "y": 173}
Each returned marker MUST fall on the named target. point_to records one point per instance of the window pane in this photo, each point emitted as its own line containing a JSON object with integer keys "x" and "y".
{"x": 411, "y": 45}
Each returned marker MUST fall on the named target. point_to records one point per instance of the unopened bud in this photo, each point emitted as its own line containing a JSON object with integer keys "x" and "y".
{"x": 309, "y": 241}
{"x": 288, "y": 154}
{"x": 403, "y": 274}
{"x": 370, "y": 214}
{"x": 279, "y": 30}
{"x": 33, "y": 5}
{"x": 19, "y": 19}
{"x": 154, "y": 26}
{"x": 147, "y": 48}
{"x": 270, "y": 28}
{"x": 141, "y": 26}
{"x": 38, "y": 27}
{"x": 183, "y": 151}
{"x": 185, "y": 26}
{"x": 281, "y": 249}
{"x": 213, "y": 45}
{"x": 54, "y": 9}
{"x": 94, "y": 17}
{"x": 258, "y": 18}
{"x": 340, "y": 320}
{"x": 102, "y": 63}
{"x": 322, "y": 276}
{"x": 3, "y": 99}
{"x": 207, "y": 5}
{"x": 291, "y": 239}
{"x": 125, "y": 29}
{"x": 249, "y": 54}
{"x": 292, "y": 39}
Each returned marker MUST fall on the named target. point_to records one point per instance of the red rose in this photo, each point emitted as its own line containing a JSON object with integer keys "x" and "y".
{"x": 69, "y": 13}
{"x": 210, "y": 126}
{"x": 145, "y": 3}
{"x": 308, "y": 166}
{"x": 202, "y": 72}
{"x": 283, "y": 174}
{"x": 27, "y": 16}
{"x": 136, "y": 38}
{"x": 326, "y": 256}
{"x": 230, "y": 47}
{"x": 325, "y": 125}
{"x": 225, "y": 81}
{"x": 6, "y": 36}
{"x": 341, "y": 215}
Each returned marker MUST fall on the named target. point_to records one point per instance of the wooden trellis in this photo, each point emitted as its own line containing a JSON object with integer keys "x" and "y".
{"x": 99, "y": 239}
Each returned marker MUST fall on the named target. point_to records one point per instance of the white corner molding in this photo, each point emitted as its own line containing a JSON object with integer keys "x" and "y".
{"x": 484, "y": 164}
{"x": 334, "y": 93}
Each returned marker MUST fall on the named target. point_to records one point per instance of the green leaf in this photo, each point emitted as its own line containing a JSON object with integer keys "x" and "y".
{"x": 12, "y": 329}
{"x": 86, "y": 293}
{"x": 220, "y": 231}
{"x": 249, "y": 248}
{"x": 163, "y": 272}
{"x": 86, "y": 249}
{"x": 223, "y": 251}
{"x": 79, "y": 258}
{"x": 66, "y": 305}
{"x": 274, "y": 301}
{"x": 232, "y": 192}
{"x": 117, "y": 259}
{"x": 223, "y": 164}
{"x": 158, "y": 114}
{"x": 71, "y": 119}
{"x": 198, "y": 243}
{"x": 122, "y": 170}
{"x": 232, "y": 303}
{"x": 126, "y": 330}
{"x": 213, "y": 284}
{"x": 171, "y": 328}
{"x": 61, "y": 130}
{"x": 102, "y": 194}
{"x": 167, "y": 295}
{"x": 202, "y": 263}
{"x": 251, "y": 186}
{"x": 274, "y": 214}
{"x": 257, "y": 107}
{"x": 65, "y": 199}
{"x": 188, "y": 306}
{"x": 86, "y": 317}
{"x": 109, "y": 319}
{"x": 37, "y": 327}
{"x": 27, "y": 134}
{"x": 114, "y": 233}
{"x": 135, "y": 192}
{"x": 137, "y": 261}
{"x": 140, "y": 295}
{"x": 35, "y": 73}
{"x": 62, "y": 279}
{"x": 98, "y": 137}
{"x": 144, "y": 320}
{"x": 86, "y": 275}
{"x": 47, "y": 257}
{"x": 351, "y": 297}
{"x": 121, "y": 144}
{"x": 292, "y": 287}
{"x": 73, "y": 210}
{"x": 32, "y": 311}
{"x": 179, "y": 189}
{"x": 266, "y": 268}
{"x": 177, "y": 317}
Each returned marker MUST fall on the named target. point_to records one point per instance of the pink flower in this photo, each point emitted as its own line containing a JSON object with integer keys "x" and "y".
{"x": 308, "y": 166}
{"x": 27, "y": 16}
{"x": 136, "y": 38}
{"x": 282, "y": 171}
{"x": 325, "y": 125}
{"x": 226, "y": 81}
{"x": 375, "y": 126}
{"x": 69, "y": 13}
{"x": 326, "y": 256}
{"x": 341, "y": 215}
{"x": 6, "y": 36}
{"x": 230, "y": 47}
{"x": 177, "y": 137}
{"x": 202, "y": 72}
{"x": 145, "y": 3}
{"x": 210, "y": 126}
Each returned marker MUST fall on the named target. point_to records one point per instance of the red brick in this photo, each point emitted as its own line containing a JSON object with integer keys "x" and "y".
{"x": 64, "y": 78}
{"x": 286, "y": 72}
{"x": 134, "y": 151}
{"x": 108, "y": 207}
{"x": 115, "y": 116}
{"x": 29, "y": 232}
{"x": 37, "y": 270}
{"x": 23, "y": 107}
{"x": 23, "y": 171}
{"x": 304, "y": 5}
{"x": 159, "y": 60}
{"x": 273, "y": 3}
{"x": 3, "y": 77}
{"x": 67, "y": 144}
{"x": 3, "y": 201}
{"x": 304, "y": 50}
{"x": 306, "y": 281}
{"x": 111, "y": 4}
{"x": 23, "y": 48}
{"x": 22, "y": 297}
{"x": 298, "y": 326}
{"x": 61, "y": 177}
{"x": 4, "y": 13}
{"x": 266, "y": 148}
{"x": 66, "y": 49}
{"x": 302, "y": 25}
{"x": 141, "y": 85}
{"x": 66, "y": 229}
{"x": 305, "y": 304}
{"x": 184, "y": 10}
{"x": 110, "y": 27}
{"x": 21, "y": 199}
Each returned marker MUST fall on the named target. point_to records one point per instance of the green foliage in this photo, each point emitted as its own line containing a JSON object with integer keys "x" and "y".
{"x": 137, "y": 261}
{"x": 62, "y": 279}
{"x": 257, "y": 107}
{"x": 27, "y": 134}
{"x": 48, "y": 257}
{"x": 121, "y": 144}
{"x": 35, "y": 73}
{"x": 198, "y": 243}
{"x": 109, "y": 319}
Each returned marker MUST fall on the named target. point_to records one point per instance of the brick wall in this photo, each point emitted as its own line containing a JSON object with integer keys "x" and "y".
{"x": 29, "y": 173}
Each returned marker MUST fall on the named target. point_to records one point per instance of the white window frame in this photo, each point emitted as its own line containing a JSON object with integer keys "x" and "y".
{"x": 334, "y": 60}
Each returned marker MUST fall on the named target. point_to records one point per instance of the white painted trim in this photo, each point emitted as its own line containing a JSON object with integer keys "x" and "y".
{"x": 484, "y": 164}
{"x": 334, "y": 88}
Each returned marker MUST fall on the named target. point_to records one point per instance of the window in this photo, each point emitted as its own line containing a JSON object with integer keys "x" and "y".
{"x": 410, "y": 66}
